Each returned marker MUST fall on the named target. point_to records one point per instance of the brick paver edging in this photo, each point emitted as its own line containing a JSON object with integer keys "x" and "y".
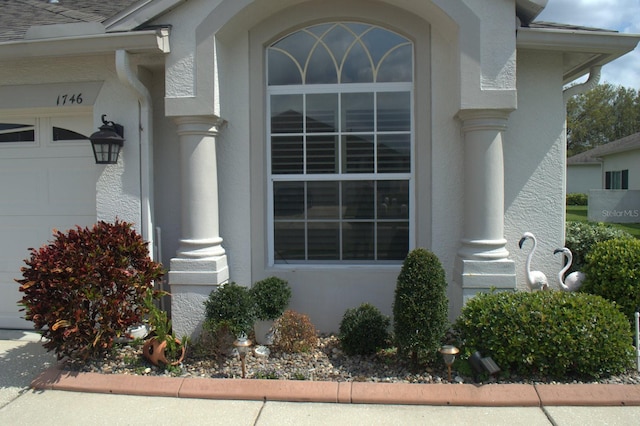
{"x": 492, "y": 395}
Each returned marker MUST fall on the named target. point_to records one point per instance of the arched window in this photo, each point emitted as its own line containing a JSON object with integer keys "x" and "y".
{"x": 340, "y": 136}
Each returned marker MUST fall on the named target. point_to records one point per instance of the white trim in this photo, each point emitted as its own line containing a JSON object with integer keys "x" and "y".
{"x": 152, "y": 41}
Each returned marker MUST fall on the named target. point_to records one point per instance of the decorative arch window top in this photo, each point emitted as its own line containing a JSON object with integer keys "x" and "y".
{"x": 342, "y": 52}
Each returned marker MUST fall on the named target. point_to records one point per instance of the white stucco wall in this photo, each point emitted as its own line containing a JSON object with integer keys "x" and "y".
{"x": 535, "y": 165}
{"x": 581, "y": 178}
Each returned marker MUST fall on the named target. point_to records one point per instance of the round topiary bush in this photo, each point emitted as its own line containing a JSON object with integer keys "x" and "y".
{"x": 581, "y": 237}
{"x": 363, "y": 330}
{"x": 88, "y": 285}
{"x": 420, "y": 306}
{"x": 547, "y": 333}
{"x": 613, "y": 272}
{"x": 231, "y": 307}
{"x": 271, "y": 297}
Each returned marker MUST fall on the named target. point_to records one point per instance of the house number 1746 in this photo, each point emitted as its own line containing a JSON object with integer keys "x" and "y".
{"x": 69, "y": 98}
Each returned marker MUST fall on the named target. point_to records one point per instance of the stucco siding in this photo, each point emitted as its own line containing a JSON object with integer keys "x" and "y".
{"x": 625, "y": 161}
{"x": 535, "y": 165}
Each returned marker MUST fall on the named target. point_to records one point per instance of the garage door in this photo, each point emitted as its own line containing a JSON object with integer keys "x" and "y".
{"x": 47, "y": 181}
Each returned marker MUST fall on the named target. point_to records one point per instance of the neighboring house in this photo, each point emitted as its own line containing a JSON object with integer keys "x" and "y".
{"x": 615, "y": 165}
{"x": 318, "y": 141}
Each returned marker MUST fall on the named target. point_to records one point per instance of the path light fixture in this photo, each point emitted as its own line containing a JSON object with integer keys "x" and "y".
{"x": 449, "y": 353}
{"x": 107, "y": 142}
{"x": 243, "y": 345}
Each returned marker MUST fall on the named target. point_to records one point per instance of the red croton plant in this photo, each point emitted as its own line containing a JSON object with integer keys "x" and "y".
{"x": 86, "y": 286}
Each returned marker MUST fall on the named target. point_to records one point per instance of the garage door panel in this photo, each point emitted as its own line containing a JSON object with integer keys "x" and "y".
{"x": 19, "y": 234}
{"x": 21, "y": 189}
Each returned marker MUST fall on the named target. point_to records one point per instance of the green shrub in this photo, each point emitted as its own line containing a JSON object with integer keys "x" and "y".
{"x": 271, "y": 297}
{"x": 576, "y": 199}
{"x": 613, "y": 272}
{"x": 88, "y": 285}
{"x": 363, "y": 330}
{"x": 582, "y": 236}
{"x": 547, "y": 333}
{"x": 230, "y": 306}
{"x": 294, "y": 332}
{"x": 420, "y": 306}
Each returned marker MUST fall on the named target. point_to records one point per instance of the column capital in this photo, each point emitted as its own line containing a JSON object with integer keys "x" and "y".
{"x": 483, "y": 119}
{"x": 204, "y": 125}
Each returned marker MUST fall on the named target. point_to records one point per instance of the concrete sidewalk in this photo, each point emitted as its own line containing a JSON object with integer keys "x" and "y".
{"x": 70, "y": 399}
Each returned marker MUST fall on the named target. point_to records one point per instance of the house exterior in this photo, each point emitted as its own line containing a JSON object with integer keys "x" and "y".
{"x": 317, "y": 141}
{"x": 615, "y": 165}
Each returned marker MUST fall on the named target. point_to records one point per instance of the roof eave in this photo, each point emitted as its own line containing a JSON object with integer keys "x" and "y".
{"x": 139, "y": 14}
{"x": 592, "y": 48}
{"x": 150, "y": 41}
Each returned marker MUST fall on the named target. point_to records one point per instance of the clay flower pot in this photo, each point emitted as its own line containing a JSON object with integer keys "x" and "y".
{"x": 154, "y": 350}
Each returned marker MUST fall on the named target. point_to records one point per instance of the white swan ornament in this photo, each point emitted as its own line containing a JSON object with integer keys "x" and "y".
{"x": 574, "y": 280}
{"x": 535, "y": 279}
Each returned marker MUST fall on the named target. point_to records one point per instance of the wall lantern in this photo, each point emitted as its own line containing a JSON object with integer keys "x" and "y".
{"x": 107, "y": 142}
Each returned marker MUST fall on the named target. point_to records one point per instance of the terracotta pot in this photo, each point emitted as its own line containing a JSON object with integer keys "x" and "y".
{"x": 154, "y": 351}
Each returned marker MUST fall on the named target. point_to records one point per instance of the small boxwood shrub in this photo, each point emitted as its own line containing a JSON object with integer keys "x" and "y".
{"x": 231, "y": 307}
{"x": 547, "y": 333}
{"x": 577, "y": 199}
{"x": 364, "y": 330}
{"x": 294, "y": 332}
{"x": 271, "y": 297}
{"x": 613, "y": 272}
{"x": 582, "y": 236}
{"x": 420, "y": 306}
{"x": 88, "y": 285}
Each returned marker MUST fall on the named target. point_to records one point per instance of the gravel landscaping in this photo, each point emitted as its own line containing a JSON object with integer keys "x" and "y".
{"x": 326, "y": 363}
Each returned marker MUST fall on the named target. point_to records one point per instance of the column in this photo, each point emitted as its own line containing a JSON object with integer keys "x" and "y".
{"x": 200, "y": 264}
{"x": 482, "y": 261}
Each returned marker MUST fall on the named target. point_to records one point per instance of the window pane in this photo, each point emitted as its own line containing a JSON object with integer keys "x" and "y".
{"x": 322, "y": 68}
{"x": 393, "y": 240}
{"x": 358, "y": 199}
{"x": 322, "y": 111}
{"x": 288, "y": 241}
{"x": 286, "y": 114}
{"x": 357, "y": 110}
{"x": 394, "y": 112}
{"x": 13, "y": 132}
{"x": 357, "y": 66}
{"x": 394, "y": 153}
{"x": 359, "y": 154}
{"x": 393, "y": 199}
{"x": 323, "y": 200}
{"x": 322, "y": 154}
{"x": 288, "y": 200}
{"x": 66, "y": 135}
{"x": 358, "y": 241}
{"x": 397, "y": 66}
{"x": 324, "y": 241}
{"x": 283, "y": 70}
{"x": 286, "y": 155}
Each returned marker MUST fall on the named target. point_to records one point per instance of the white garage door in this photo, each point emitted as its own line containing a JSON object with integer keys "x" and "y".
{"x": 47, "y": 181}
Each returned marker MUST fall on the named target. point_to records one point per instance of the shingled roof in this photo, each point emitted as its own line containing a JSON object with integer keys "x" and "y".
{"x": 628, "y": 143}
{"x": 18, "y": 15}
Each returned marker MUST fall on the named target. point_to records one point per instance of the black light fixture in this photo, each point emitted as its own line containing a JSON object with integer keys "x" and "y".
{"x": 482, "y": 364}
{"x": 107, "y": 142}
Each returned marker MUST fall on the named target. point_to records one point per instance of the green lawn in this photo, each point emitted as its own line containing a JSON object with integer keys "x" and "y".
{"x": 579, "y": 214}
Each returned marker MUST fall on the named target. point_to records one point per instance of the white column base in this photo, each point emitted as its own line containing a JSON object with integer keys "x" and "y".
{"x": 481, "y": 276}
{"x": 191, "y": 281}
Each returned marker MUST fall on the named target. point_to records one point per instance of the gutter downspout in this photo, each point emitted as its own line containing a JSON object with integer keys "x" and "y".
{"x": 592, "y": 81}
{"x": 128, "y": 77}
